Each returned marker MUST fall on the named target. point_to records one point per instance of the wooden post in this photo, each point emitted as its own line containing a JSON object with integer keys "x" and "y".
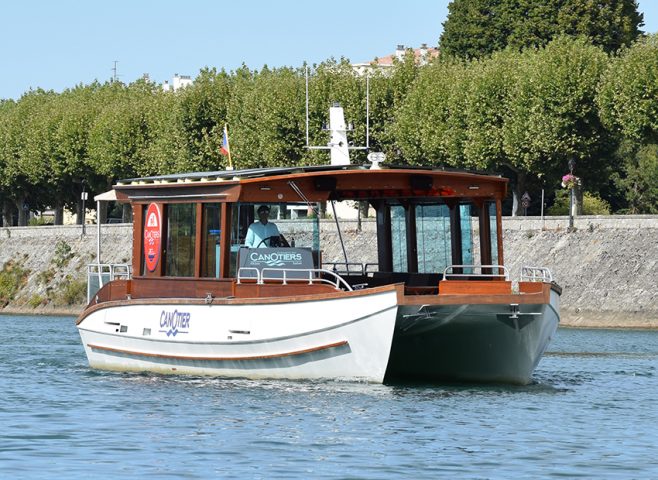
{"x": 412, "y": 244}
{"x": 225, "y": 241}
{"x": 457, "y": 256}
{"x": 385, "y": 253}
{"x": 199, "y": 240}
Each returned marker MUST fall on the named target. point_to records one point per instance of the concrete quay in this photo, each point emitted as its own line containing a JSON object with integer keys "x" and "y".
{"x": 607, "y": 265}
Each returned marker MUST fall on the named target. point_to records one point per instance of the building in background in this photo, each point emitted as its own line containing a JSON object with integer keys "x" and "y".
{"x": 422, "y": 56}
{"x": 178, "y": 82}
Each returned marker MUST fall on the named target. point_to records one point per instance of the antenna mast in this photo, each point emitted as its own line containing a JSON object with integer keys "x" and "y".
{"x": 307, "y": 106}
{"x": 338, "y": 144}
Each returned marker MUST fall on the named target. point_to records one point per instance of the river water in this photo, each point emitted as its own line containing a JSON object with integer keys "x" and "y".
{"x": 592, "y": 412}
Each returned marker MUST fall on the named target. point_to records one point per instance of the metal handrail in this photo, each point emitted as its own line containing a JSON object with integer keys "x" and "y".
{"x": 242, "y": 270}
{"x": 367, "y": 270}
{"x": 504, "y": 269}
{"x": 347, "y": 270}
{"x": 312, "y": 275}
{"x": 106, "y": 273}
{"x": 536, "y": 274}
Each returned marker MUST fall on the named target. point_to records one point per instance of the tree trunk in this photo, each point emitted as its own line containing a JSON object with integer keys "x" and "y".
{"x": 7, "y": 209}
{"x": 59, "y": 213}
{"x": 517, "y": 192}
{"x": 358, "y": 217}
{"x": 78, "y": 212}
{"x": 363, "y": 208}
{"x": 127, "y": 213}
{"x": 23, "y": 211}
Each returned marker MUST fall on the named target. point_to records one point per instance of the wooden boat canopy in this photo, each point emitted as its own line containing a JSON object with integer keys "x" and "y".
{"x": 427, "y": 220}
{"x": 319, "y": 183}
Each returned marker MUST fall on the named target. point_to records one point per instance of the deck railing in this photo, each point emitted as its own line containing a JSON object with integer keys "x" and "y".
{"x": 470, "y": 271}
{"x": 536, "y": 274}
{"x": 285, "y": 275}
{"x": 100, "y": 274}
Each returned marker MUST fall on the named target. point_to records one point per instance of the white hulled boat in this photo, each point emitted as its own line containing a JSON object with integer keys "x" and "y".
{"x": 437, "y": 302}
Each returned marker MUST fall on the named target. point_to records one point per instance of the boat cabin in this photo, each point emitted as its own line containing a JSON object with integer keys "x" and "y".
{"x": 190, "y": 232}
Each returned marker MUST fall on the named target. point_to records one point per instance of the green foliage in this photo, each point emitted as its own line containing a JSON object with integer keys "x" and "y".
{"x": 37, "y": 300}
{"x": 628, "y": 96}
{"x": 430, "y": 123}
{"x": 528, "y": 112}
{"x": 523, "y": 112}
{"x": 477, "y": 28}
{"x": 39, "y": 221}
{"x": 12, "y": 278}
{"x": 592, "y": 204}
{"x": 62, "y": 254}
{"x": 46, "y": 276}
{"x": 638, "y": 180}
{"x": 71, "y": 292}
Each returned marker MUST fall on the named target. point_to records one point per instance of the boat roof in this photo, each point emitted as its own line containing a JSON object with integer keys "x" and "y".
{"x": 318, "y": 183}
{"x": 250, "y": 173}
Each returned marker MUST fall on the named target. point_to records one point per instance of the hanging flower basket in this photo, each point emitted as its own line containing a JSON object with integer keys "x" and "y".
{"x": 570, "y": 181}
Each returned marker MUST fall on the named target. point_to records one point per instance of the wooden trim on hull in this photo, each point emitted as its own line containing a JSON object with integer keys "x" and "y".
{"x": 481, "y": 297}
{"x": 241, "y": 301}
{"x": 220, "y": 359}
{"x": 539, "y": 294}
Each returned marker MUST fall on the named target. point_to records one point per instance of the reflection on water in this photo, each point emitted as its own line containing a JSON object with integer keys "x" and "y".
{"x": 590, "y": 411}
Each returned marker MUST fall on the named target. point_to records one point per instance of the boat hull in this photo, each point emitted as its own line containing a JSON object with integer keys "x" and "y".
{"x": 346, "y": 337}
{"x": 472, "y": 342}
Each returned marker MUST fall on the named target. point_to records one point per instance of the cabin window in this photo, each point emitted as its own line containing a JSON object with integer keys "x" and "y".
{"x": 298, "y": 223}
{"x": 433, "y": 238}
{"x": 493, "y": 225}
{"x": 181, "y": 237}
{"x": 210, "y": 255}
{"x": 399, "y": 238}
{"x": 466, "y": 214}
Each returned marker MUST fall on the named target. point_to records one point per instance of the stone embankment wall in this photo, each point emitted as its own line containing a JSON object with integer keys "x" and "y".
{"x": 607, "y": 266}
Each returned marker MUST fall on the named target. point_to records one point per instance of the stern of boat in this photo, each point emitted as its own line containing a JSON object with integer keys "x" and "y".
{"x": 476, "y": 330}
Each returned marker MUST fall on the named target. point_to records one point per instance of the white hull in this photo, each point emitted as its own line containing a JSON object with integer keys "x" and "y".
{"x": 470, "y": 342}
{"x": 340, "y": 338}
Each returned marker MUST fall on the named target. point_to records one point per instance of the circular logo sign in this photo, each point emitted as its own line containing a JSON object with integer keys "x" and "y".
{"x": 152, "y": 234}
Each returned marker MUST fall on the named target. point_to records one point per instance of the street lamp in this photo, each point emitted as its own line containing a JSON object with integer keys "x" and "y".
{"x": 572, "y": 165}
{"x": 83, "y": 196}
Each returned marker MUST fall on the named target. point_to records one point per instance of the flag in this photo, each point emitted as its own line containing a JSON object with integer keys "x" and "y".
{"x": 225, "y": 150}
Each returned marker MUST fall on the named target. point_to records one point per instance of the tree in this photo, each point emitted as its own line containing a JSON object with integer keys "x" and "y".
{"x": 524, "y": 113}
{"x": 476, "y": 28}
{"x": 638, "y": 179}
{"x": 628, "y": 96}
{"x": 202, "y": 112}
{"x": 25, "y": 148}
{"x": 628, "y": 105}
{"x": 552, "y": 116}
{"x": 430, "y": 125}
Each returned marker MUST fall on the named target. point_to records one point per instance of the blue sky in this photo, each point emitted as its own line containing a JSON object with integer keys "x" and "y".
{"x": 58, "y": 44}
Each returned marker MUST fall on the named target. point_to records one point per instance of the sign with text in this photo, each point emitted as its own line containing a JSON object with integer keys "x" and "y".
{"x": 289, "y": 259}
{"x": 152, "y": 236}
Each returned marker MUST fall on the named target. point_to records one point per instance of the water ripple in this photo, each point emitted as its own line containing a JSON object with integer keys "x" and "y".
{"x": 590, "y": 412}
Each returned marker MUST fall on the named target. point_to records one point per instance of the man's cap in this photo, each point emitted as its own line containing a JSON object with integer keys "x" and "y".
{"x": 264, "y": 208}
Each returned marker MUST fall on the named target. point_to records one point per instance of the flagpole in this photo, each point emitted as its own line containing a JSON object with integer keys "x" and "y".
{"x": 228, "y": 147}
